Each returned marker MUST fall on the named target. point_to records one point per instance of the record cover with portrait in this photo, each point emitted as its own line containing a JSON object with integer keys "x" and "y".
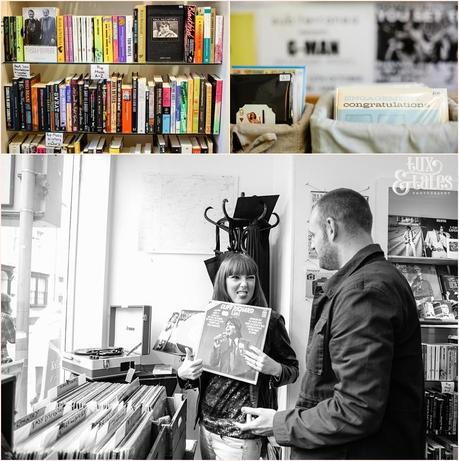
{"x": 405, "y": 236}
{"x": 423, "y": 280}
{"x": 40, "y": 40}
{"x": 165, "y": 33}
{"x": 229, "y": 330}
{"x": 436, "y": 233}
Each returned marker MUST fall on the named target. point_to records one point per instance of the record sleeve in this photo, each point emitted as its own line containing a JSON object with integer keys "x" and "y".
{"x": 269, "y": 90}
{"x": 229, "y": 330}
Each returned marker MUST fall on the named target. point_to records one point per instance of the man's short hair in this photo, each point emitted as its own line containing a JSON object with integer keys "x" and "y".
{"x": 348, "y": 207}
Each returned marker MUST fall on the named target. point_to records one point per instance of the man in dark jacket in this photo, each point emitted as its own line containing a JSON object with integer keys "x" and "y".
{"x": 362, "y": 392}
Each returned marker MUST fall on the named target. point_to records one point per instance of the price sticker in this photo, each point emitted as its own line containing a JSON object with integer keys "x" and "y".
{"x": 54, "y": 139}
{"x": 130, "y": 375}
{"x": 99, "y": 71}
{"x": 21, "y": 70}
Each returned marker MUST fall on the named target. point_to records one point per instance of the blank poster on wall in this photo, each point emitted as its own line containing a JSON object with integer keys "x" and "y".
{"x": 172, "y": 212}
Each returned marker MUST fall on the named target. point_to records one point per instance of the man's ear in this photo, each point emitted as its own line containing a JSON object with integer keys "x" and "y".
{"x": 332, "y": 229}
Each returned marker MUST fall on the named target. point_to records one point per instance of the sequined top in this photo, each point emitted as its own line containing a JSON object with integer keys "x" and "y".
{"x": 221, "y": 406}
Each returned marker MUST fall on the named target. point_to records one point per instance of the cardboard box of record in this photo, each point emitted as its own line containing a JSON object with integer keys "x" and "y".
{"x": 130, "y": 328}
{"x": 336, "y": 136}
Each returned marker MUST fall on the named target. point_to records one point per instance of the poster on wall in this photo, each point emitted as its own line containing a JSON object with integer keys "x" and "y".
{"x": 321, "y": 36}
{"x": 229, "y": 330}
{"x": 417, "y": 42}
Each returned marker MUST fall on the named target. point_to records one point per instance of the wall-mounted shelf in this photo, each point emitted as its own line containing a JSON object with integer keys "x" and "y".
{"x": 412, "y": 260}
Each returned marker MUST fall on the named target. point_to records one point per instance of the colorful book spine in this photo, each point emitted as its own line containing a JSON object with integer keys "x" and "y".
{"x": 126, "y": 122}
{"x": 6, "y": 38}
{"x": 115, "y": 39}
{"x": 166, "y": 108}
{"x": 13, "y": 31}
{"x": 206, "y": 34}
{"x": 190, "y": 14}
{"x": 141, "y": 104}
{"x": 67, "y": 39}
{"x": 60, "y": 39}
{"x": 122, "y": 38}
{"x": 76, "y": 39}
{"x": 218, "y": 38}
{"x": 107, "y": 38}
{"x": 178, "y": 105}
{"x": 19, "y": 40}
{"x": 196, "y": 93}
{"x": 202, "y": 106}
{"x": 90, "y": 38}
{"x": 98, "y": 39}
{"x": 129, "y": 40}
{"x": 189, "y": 116}
{"x": 212, "y": 34}
{"x": 62, "y": 106}
{"x": 173, "y": 85}
{"x": 135, "y": 34}
{"x": 208, "y": 110}
{"x": 68, "y": 105}
{"x": 198, "y": 37}
{"x": 217, "y": 108}
{"x": 142, "y": 9}
{"x": 35, "y": 106}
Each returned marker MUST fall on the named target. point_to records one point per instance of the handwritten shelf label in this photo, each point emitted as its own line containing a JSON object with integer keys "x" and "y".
{"x": 99, "y": 71}
{"x": 21, "y": 70}
{"x": 54, "y": 139}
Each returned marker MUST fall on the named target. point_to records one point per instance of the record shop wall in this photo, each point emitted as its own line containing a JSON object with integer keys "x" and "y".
{"x": 167, "y": 281}
{"x": 370, "y": 175}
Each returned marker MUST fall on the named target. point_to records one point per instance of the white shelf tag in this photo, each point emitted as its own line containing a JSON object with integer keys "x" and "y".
{"x": 99, "y": 71}
{"x": 130, "y": 375}
{"x": 54, "y": 139}
{"x": 21, "y": 70}
{"x": 447, "y": 387}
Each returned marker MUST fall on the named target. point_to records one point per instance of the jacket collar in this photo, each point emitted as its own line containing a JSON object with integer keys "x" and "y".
{"x": 372, "y": 251}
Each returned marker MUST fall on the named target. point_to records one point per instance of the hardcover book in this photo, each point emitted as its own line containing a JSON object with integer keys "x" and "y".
{"x": 165, "y": 33}
{"x": 40, "y": 34}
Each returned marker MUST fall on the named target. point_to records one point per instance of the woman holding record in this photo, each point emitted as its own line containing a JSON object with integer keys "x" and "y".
{"x": 221, "y": 398}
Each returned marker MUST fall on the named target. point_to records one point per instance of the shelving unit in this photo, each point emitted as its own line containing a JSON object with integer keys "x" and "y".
{"x": 412, "y": 260}
{"x": 54, "y": 71}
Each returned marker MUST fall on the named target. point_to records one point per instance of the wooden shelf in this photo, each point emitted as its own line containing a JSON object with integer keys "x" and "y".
{"x": 412, "y": 260}
{"x": 149, "y": 63}
{"x": 110, "y": 134}
{"x": 438, "y": 323}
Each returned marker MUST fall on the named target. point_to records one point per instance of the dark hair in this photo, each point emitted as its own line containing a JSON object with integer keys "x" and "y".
{"x": 238, "y": 264}
{"x": 237, "y": 324}
{"x": 348, "y": 207}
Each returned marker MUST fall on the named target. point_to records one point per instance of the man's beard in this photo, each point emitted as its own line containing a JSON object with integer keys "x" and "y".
{"x": 328, "y": 260}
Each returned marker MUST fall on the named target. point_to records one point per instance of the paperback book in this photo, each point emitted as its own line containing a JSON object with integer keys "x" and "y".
{"x": 40, "y": 34}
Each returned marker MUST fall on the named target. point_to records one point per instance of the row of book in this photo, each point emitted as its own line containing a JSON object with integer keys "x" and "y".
{"x": 32, "y": 143}
{"x": 441, "y": 448}
{"x": 92, "y": 420}
{"x": 166, "y": 104}
{"x": 441, "y": 412}
{"x": 440, "y": 361}
{"x": 153, "y": 33}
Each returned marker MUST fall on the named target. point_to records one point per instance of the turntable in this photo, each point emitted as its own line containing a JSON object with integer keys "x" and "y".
{"x": 130, "y": 329}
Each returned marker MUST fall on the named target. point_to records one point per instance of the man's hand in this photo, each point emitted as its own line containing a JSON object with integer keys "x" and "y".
{"x": 260, "y": 421}
{"x": 190, "y": 369}
{"x": 261, "y": 362}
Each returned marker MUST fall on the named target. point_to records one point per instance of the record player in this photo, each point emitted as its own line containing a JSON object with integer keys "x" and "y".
{"x": 129, "y": 340}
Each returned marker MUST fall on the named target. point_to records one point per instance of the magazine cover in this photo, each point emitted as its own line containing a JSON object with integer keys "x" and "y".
{"x": 449, "y": 283}
{"x": 40, "y": 43}
{"x": 405, "y": 237}
{"x": 229, "y": 329}
{"x": 436, "y": 233}
{"x": 180, "y": 331}
{"x": 414, "y": 45}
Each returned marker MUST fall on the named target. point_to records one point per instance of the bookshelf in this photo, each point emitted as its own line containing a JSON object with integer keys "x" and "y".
{"x": 53, "y": 71}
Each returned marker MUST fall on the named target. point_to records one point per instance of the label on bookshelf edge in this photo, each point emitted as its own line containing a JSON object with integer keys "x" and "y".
{"x": 21, "y": 70}
{"x": 99, "y": 71}
{"x": 54, "y": 139}
{"x": 447, "y": 387}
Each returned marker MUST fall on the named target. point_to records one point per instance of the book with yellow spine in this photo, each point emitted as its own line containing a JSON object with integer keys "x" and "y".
{"x": 19, "y": 39}
{"x": 196, "y": 94}
{"x": 189, "y": 118}
{"x": 98, "y": 40}
{"x": 60, "y": 39}
{"x": 142, "y": 18}
{"x": 108, "y": 38}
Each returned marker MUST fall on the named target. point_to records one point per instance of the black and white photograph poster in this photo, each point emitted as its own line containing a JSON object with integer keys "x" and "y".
{"x": 229, "y": 330}
{"x": 40, "y": 38}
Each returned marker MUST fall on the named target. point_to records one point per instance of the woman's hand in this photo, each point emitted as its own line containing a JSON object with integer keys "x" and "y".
{"x": 261, "y": 362}
{"x": 190, "y": 369}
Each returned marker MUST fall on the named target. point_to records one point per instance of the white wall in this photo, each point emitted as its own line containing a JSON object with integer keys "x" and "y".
{"x": 372, "y": 175}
